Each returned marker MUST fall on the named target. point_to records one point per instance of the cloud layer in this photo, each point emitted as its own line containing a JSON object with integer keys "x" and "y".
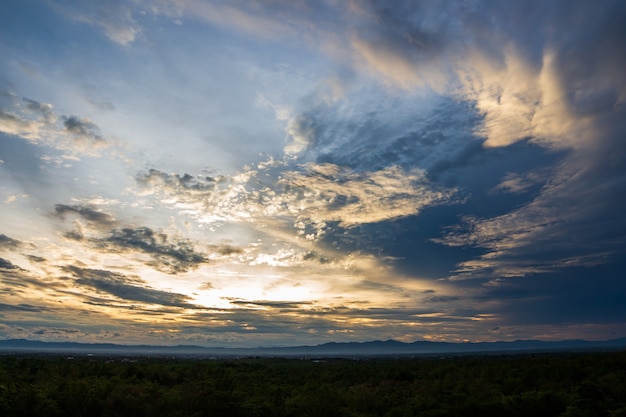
{"x": 257, "y": 172}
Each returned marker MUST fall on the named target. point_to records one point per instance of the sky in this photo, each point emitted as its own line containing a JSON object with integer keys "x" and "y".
{"x": 269, "y": 173}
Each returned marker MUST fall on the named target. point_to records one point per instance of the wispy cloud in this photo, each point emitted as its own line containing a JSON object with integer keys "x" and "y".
{"x": 126, "y": 288}
{"x": 93, "y": 216}
{"x": 518, "y": 183}
{"x": 114, "y": 18}
{"x": 560, "y": 228}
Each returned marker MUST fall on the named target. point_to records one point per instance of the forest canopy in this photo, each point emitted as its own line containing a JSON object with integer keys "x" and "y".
{"x": 582, "y": 384}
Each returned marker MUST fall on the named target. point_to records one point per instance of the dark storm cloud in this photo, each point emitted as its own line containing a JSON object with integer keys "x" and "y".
{"x": 169, "y": 255}
{"x": 126, "y": 288}
{"x": 94, "y": 217}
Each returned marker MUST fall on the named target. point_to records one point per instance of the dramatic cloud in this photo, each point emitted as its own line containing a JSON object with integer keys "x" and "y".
{"x": 327, "y": 192}
{"x": 256, "y": 172}
{"x": 309, "y": 195}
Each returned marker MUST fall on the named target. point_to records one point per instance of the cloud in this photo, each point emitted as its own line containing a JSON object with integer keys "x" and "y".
{"x": 312, "y": 323}
{"x": 84, "y": 132}
{"x": 301, "y": 132}
{"x": 531, "y": 79}
{"x": 515, "y": 183}
{"x": 94, "y": 217}
{"x": 310, "y": 195}
{"x": 118, "y": 23}
{"x": 43, "y": 109}
{"x": 574, "y": 221}
{"x": 327, "y": 192}
{"x": 24, "y": 308}
{"x": 500, "y": 122}
{"x": 520, "y": 101}
{"x": 174, "y": 182}
{"x": 527, "y": 78}
{"x": 279, "y": 305}
{"x": 269, "y": 20}
{"x": 59, "y": 331}
{"x": 399, "y": 62}
{"x": 126, "y": 288}
{"x": 225, "y": 249}
{"x": 167, "y": 254}
{"x": 441, "y": 298}
{"x": 113, "y": 17}
{"x": 7, "y": 242}
{"x": 38, "y": 123}
{"x": 171, "y": 256}
{"x": 587, "y": 297}
{"x": 14, "y": 125}
{"x": 6, "y": 264}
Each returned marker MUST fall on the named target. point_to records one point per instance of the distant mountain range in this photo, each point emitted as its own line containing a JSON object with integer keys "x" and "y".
{"x": 333, "y": 349}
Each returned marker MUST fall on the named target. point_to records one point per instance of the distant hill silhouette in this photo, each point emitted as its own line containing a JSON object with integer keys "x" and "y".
{"x": 332, "y": 349}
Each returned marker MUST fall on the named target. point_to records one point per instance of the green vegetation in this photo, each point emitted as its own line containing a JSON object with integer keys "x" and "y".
{"x": 568, "y": 385}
